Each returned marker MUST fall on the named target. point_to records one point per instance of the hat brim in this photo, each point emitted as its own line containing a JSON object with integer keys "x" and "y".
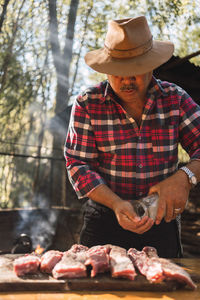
{"x": 100, "y": 61}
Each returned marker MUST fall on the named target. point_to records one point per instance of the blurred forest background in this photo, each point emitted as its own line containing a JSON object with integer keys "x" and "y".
{"x": 42, "y": 69}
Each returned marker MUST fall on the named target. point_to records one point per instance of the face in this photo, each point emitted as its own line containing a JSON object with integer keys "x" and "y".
{"x": 130, "y": 88}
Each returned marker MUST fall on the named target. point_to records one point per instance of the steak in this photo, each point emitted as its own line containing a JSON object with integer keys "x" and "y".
{"x": 150, "y": 251}
{"x": 121, "y": 265}
{"x": 151, "y": 269}
{"x": 69, "y": 267}
{"x": 72, "y": 264}
{"x": 98, "y": 259}
{"x": 171, "y": 271}
{"x": 77, "y": 248}
{"x": 27, "y": 264}
{"x": 49, "y": 260}
{"x": 78, "y": 252}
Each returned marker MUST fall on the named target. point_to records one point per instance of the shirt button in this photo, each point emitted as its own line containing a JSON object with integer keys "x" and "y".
{"x": 140, "y": 166}
{"x": 139, "y": 138}
{"x": 140, "y": 193}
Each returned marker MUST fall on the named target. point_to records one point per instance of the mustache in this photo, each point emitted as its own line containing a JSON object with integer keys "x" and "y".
{"x": 131, "y": 86}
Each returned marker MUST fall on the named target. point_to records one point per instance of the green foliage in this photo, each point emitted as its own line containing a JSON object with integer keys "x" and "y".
{"x": 24, "y": 96}
{"x": 17, "y": 91}
{"x": 28, "y": 82}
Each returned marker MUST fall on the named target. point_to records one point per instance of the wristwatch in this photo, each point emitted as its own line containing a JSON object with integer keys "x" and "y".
{"x": 191, "y": 177}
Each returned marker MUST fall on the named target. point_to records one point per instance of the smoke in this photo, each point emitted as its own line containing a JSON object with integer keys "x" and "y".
{"x": 39, "y": 223}
{"x": 59, "y": 123}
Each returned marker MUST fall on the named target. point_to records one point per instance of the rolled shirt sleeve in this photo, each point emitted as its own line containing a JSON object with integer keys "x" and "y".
{"x": 81, "y": 152}
{"x": 189, "y": 128}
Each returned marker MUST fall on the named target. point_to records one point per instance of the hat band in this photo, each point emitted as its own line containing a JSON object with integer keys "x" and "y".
{"x": 118, "y": 53}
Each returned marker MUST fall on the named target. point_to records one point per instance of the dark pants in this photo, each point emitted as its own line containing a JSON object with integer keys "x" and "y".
{"x": 101, "y": 227}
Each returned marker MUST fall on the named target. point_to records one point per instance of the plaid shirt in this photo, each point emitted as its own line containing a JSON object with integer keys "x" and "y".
{"x": 105, "y": 145}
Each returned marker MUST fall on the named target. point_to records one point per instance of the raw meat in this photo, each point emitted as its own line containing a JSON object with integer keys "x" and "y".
{"x": 171, "y": 270}
{"x": 98, "y": 258}
{"x": 27, "y": 264}
{"x": 78, "y": 252}
{"x": 72, "y": 263}
{"x": 49, "y": 260}
{"x": 152, "y": 270}
{"x": 121, "y": 265}
{"x": 76, "y": 248}
{"x": 150, "y": 251}
{"x": 69, "y": 267}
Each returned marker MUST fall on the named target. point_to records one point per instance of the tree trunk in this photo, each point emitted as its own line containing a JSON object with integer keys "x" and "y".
{"x": 62, "y": 60}
{"x": 8, "y": 57}
{"x": 80, "y": 49}
{"x": 3, "y": 14}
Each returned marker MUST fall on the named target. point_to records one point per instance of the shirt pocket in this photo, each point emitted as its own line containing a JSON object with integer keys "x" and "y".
{"x": 165, "y": 143}
{"x": 114, "y": 147}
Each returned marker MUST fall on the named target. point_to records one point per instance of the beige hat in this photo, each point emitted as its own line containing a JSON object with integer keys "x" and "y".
{"x": 129, "y": 49}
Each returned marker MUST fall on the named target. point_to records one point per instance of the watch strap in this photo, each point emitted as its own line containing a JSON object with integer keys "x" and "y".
{"x": 190, "y": 174}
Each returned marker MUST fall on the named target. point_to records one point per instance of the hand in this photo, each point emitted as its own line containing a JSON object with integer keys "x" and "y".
{"x": 128, "y": 219}
{"x": 173, "y": 194}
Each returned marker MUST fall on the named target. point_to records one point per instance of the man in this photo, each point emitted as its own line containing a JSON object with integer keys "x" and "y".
{"x": 122, "y": 143}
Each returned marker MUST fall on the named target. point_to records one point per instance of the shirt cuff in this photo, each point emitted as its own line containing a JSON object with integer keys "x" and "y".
{"x": 195, "y": 155}
{"x": 87, "y": 183}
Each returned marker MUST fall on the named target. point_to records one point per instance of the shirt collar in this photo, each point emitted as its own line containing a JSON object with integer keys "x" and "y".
{"x": 155, "y": 87}
{"x": 108, "y": 92}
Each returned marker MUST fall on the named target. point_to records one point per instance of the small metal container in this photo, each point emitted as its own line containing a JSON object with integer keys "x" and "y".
{"x": 146, "y": 206}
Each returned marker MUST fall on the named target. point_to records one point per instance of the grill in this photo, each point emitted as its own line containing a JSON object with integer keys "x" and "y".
{"x": 22, "y": 244}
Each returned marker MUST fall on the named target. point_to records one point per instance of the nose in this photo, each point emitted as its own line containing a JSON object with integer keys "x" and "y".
{"x": 128, "y": 79}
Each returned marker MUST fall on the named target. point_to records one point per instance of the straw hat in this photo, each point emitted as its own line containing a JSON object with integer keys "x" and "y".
{"x": 129, "y": 49}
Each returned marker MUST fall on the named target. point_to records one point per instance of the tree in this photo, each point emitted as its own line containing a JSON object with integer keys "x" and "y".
{"x": 62, "y": 60}
{"x": 3, "y": 14}
{"x": 41, "y": 71}
{"x": 20, "y": 85}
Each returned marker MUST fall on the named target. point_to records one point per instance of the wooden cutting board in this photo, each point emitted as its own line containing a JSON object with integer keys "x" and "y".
{"x": 43, "y": 282}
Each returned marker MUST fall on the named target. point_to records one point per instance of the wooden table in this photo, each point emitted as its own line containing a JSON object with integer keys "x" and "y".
{"x": 191, "y": 265}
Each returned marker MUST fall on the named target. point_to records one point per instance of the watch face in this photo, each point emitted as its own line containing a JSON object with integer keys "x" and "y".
{"x": 193, "y": 180}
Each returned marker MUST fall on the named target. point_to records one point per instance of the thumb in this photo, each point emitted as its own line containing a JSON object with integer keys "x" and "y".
{"x": 154, "y": 189}
{"x": 131, "y": 214}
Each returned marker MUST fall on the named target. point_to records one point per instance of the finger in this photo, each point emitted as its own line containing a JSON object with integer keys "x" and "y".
{"x": 142, "y": 226}
{"x": 177, "y": 212}
{"x": 178, "y": 209}
{"x": 174, "y": 216}
{"x": 169, "y": 213}
{"x": 128, "y": 224}
{"x": 131, "y": 214}
{"x": 133, "y": 218}
{"x": 143, "y": 221}
{"x": 154, "y": 189}
{"x": 161, "y": 211}
{"x": 145, "y": 227}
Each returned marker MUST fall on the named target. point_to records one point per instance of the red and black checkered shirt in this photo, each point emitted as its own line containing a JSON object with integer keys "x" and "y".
{"x": 105, "y": 145}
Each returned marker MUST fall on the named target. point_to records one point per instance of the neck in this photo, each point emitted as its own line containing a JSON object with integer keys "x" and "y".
{"x": 134, "y": 102}
{"x": 134, "y": 109}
